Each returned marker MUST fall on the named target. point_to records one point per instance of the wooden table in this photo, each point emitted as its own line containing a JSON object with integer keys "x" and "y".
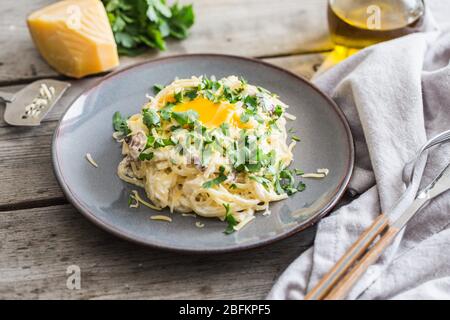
{"x": 41, "y": 234}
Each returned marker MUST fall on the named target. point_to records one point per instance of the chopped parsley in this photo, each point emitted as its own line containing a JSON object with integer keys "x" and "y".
{"x": 185, "y": 118}
{"x": 161, "y": 143}
{"x": 157, "y": 88}
{"x": 301, "y": 186}
{"x": 285, "y": 183}
{"x": 225, "y": 127}
{"x": 150, "y": 118}
{"x": 146, "y": 156}
{"x": 250, "y": 102}
{"x": 178, "y": 96}
{"x": 166, "y": 112}
{"x": 278, "y": 111}
{"x": 261, "y": 180}
{"x": 232, "y": 96}
{"x": 216, "y": 181}
{"x": 230, "y": 219}
{"x": 120, "y": 124}
{"x": 191, "y": 94}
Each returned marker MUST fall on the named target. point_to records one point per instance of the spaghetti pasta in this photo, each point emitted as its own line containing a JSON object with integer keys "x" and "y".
{"x": 200, "y": 144}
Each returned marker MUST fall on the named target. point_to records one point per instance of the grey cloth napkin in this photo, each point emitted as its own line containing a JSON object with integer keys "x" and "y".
{"x": 395, "y": 95}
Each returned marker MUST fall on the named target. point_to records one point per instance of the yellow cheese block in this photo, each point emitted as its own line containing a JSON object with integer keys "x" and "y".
{"x": 74, "y": 37}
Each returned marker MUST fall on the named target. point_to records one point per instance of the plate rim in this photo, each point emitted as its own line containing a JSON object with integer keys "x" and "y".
{"x": 316, "y": 217}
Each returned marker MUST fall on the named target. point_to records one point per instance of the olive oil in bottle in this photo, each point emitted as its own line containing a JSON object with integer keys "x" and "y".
{"x": 361, "y": 23}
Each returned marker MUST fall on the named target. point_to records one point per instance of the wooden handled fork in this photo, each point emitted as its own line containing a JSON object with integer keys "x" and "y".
{"x": 340, "y": 279}
{"x": 337, "y": 283}
{"x": 328, "y": 288}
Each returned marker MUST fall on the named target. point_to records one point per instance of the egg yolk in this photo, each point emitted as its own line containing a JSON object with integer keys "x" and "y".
{"x": 211, "y": 114}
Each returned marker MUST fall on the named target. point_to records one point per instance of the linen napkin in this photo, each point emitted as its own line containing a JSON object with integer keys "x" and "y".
{"x": 395, "y": 95}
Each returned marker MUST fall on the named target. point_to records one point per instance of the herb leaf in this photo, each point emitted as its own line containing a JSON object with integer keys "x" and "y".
{"x": 120, "y": 124}
{"x": 191, "y": 94}
{"x": 230, "y": 219}
{"x": 150, "y": 118}
{"x": 216, "y": 181}
{"x": 157, "y": 88}
{"x": 225, "y": 127}
{"x": 141, "y": 24}
{"x": 285, "y": 182}
{"x": 146, "y": 156}
{"x": 166, "y": 112}
{"x": 185, "y": 118}
{"x": 278, "y": 111}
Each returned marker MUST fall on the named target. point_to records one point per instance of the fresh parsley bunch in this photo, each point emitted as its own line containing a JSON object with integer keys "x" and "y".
{"x": 141, "y": 24}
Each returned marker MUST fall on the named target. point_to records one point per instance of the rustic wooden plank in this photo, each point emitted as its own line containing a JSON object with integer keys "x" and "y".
{"x": 304, "y": 65}
{"x": 25, "y": 152}
{"x": 37, "y": 246}
{"x": 25, "y": 164}
{"x": 225, "y": 26}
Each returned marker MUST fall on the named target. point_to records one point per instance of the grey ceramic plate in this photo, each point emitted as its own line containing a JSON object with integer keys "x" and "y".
{"x": 102, "y": 197}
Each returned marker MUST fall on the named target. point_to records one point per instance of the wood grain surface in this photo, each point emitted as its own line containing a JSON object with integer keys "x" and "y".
{"x": 41, "y": 234}
{"x": 37, "y": 246}
{"x": 222, "y": 26}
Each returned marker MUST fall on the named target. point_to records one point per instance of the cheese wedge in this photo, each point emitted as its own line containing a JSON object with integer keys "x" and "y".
{"x": 74, "y": 37}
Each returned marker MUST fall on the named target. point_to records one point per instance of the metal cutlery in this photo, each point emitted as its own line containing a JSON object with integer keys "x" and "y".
{"x": 337, "y": 283}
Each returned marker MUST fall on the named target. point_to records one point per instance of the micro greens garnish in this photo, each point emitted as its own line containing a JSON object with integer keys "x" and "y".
{"x": 185, "y": 118}
{"x": 146, "y": 156}
{"x": 216, "y": 181}
{"x": 230, "y": 219}
{"x": 150, "y": 118}
{"x": 166, "y": 112}
{"x": 157, "y": 88}
{"x": 120, "y": 124}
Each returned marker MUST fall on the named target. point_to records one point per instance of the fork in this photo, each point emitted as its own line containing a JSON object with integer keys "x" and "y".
{"x": 339, "y": 280}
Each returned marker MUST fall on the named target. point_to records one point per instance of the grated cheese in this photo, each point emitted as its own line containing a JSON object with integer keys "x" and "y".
{"x": 267, "y": 212}
{"x": 91, "y": 161}
{"x": 319, "y": 174}
{"x": 118, "y": 136}
{"x": 199, "y": 224}
{"x": 188, "y": 215}
{"x": 243, "y": 223}
{"x": 325, "y": 171}
{"x": 138, "y": 198}
{"x": 40, "y": 102}
{"x": 161, "y": 218}
{"x": 45, "y": 91}
{"x": 289, "y": 116}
